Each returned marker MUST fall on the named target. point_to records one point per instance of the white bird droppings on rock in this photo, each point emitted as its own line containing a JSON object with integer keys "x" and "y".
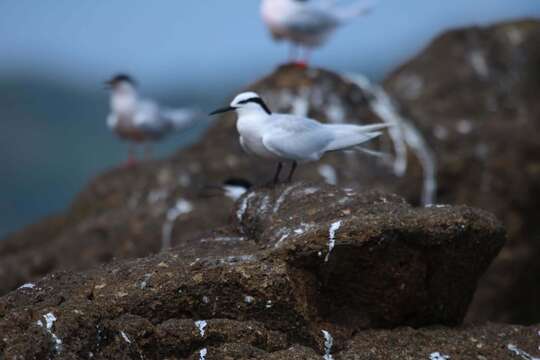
{"x": 515, "y": 36}
{"x": 311, "y": 190}
{"x": 125, "y": 337}
{"x": 249, "y": 299}
{"x": 184, "y": 180}
{"x": 243, "y": 207}
{"x": 328, "y": 343}
{"x": 300, "y": 103}
{"x": 224, "y": 239}
{"x": 328, "y": 173}
{"x": 438, "y": 356}
{"x": 332, "y": 238}
{"x": 49, "y": 322}
{"x": 478, "y": 62}
{"x": 281, "y": 239}
{"x": 437, "y": 206}
{"x": 27, "y": 286}
{"x": 517, "y": 351}
{"x": 181, "y": 207}
{"x": 440, "y": 132}
{"x": 201, "y": 325}
{"x": 464, "y": 127}
{"x": 283, "y": 196}
{"x": 335, "y": 111}
{"x": 156, "y": 196}
{"x": 144, "y": 283}
{"x": 403, "y": 133}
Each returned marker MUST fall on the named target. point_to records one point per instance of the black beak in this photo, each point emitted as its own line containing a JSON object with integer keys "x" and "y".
{"x": 220, "y": 111}
{"x": 108, "y": 84}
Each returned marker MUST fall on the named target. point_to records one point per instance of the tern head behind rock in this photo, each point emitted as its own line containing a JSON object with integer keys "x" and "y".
{"x": 247, "y": 102}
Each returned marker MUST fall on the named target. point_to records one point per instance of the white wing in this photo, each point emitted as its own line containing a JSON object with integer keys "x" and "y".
{"x": 147, "y": 114}
{"x": 180, "y": 119}
{"x": 147, "y": 118}
{"x": 359, "y": 8}
{"x": 312, "y": 20}
{"x": 296, "y": 138}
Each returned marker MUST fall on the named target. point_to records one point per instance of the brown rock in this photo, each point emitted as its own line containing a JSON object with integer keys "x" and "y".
{"x": 122, "y": 213}
{"x": 491, "y": 341}
{"x": 473, "y": 93}
{"x": 328, "y": 259}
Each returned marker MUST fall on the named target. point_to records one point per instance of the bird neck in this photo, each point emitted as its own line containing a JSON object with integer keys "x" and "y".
{"x": 250, "y": 121}
{"x": 124, "y": 101}
{"x": 252, "y": 112}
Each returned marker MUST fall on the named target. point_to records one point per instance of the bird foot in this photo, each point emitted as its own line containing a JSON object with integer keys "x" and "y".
{"x": 301, "y": 64}
{"x": 130, "y": 163}
{"x": 271, "y": 184}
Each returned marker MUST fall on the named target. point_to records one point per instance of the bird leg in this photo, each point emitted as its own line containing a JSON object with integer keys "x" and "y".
{"x": 278, "y": 171}
{"x": 293, "y": 168}
{"x": 148, "y": 152}
{"x": 293, "y": 53}
{"x": 132, "y": 158}
{"x": 302, "y": 62}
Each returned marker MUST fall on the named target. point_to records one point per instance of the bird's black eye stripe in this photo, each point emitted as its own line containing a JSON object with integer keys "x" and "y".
{"x": 259, "y": 101}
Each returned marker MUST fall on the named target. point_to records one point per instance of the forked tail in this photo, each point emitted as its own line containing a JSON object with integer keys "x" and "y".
{"x": 359, "y": 8}
{"x": 180, "y": 119}
{"x": 349, "y": 136}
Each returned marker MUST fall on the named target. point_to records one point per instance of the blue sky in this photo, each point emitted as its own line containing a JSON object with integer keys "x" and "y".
{"x": 169, "y": 41}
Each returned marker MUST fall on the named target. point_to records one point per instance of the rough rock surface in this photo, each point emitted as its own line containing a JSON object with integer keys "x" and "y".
{"x": 123, "y": 213}
{"x": 473, "y": 93}
{"x": 299, "y": 259}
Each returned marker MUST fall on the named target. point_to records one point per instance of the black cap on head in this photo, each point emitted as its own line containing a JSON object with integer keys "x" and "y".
{"x": 119, "y": 78}
{"x": 238, "y": 182}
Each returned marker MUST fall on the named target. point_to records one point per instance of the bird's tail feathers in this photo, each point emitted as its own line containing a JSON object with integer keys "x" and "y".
{"x": 359, "y": 8}
{"x": 180, "y": 119}
{"x": 350, "y": 136}
{"x": 375, "y": 153}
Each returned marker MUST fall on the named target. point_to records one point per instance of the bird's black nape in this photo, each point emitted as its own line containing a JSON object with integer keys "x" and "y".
{"x": 258, "y": 100}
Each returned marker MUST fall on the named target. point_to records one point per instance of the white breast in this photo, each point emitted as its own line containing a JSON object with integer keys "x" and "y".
{"x": 251, "y": 130}
{"x": 276, "y": 12}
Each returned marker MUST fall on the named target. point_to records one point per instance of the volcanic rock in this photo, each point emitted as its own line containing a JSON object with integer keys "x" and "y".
{"x": 473, "y": 94}
{"x": 299, "y": 259}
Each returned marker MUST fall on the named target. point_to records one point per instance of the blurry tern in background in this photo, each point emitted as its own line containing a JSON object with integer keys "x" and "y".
{"x": 284, "y": 137}
{"x": 142, "y": 121}
{"x": 307, "y": 23}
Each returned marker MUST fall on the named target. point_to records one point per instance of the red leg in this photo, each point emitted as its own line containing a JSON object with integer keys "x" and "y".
{"x": 132, "y": 158}
{"x": 293, "y": 53}
{"x": 301, "y": 62}
{"x": 148, "y": 152}
{"x": 304, "y": 62}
